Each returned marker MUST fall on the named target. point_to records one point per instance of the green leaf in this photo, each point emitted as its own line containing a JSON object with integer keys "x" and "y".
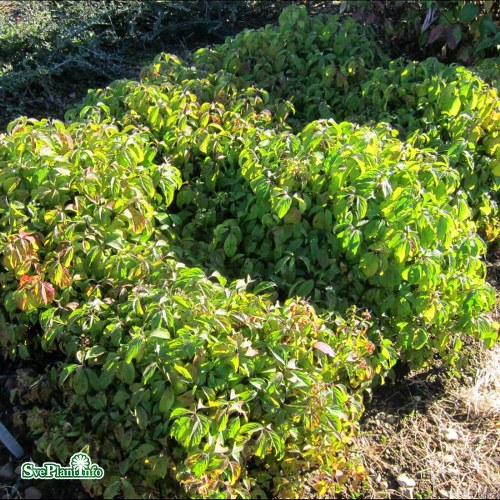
{"x": 283, "y": 205}
{"x": 233, "y": 427}
{"x": 264, "y": 286}
{"x": 184, "y": 372}
{"x": 178, "y": 412}
{"x": 113, "y": 488}
{"x": 144, "y": 450}
{"x": 127, "y": 372}
{"x": 451, "y": 101}
{"x": 166, "y": 400}
{"x": 354, "y": 244}
{"x": 230, "y": 245}
{"x": 468, "y": 12}
{"x": 201, "y": 428}
{"x": 277, "y": 443}
{"x": 66, "y": 372}
{"x": 200, "y": 463}
{"x": 160, "y": 333}
{"x": 128, "y": 489}
{"x": 368, "y": 263}
{"x": 80, "y": 381}
{"x": 93, "y": 379}
{"x": 250, "y": 428}
{"x": 133, "y": 349}
{"x": 303, "y": 288}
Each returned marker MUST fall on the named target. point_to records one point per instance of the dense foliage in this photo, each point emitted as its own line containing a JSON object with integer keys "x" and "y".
{"x": 218, "y": 264}
{"x": 461, "y": 31}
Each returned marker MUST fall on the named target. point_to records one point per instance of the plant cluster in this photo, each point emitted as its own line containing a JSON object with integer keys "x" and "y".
{"x": 461, "y": 31}
{"x": 218, "y": 269}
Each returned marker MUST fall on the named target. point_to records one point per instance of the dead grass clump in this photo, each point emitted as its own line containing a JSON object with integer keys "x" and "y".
{"x": 448, "y": 445}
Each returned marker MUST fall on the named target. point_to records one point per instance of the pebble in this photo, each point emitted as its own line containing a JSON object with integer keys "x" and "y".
{"x": 406, "y": 492}
{"x": 450, "y": 435}
{"x": 406, "y": 481}
{"x": 32, "y": 493}
{"x": 448, "y": 458}
{"x": 391, "y": 419}
{"x": 443, "y": 493}
{"x": 383, "y": 484}
{"x": 7, "y": 471}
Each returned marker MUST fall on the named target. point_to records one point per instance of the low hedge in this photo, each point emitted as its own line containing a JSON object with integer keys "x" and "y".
{"x": 216, "y": 273}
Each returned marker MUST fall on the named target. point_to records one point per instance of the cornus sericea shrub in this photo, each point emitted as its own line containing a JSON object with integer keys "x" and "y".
{"x": 216, "y": 279}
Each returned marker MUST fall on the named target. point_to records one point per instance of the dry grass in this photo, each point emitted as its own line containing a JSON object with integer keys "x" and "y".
{"x": 414, "y": 443}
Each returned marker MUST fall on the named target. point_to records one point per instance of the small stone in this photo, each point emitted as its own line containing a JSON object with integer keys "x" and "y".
{"x": 406, "y": 492}
{"x": 417, "y": 398}
{"x": 32, "y": 493}
{"x": 448, "y": 458}
{"x": 391, "y": 419}
{"x": 378, "y": 479}
{"x": 443, "y": 493}
{"x": 450, "y": 435}
{"x": 7, "y": 471}
{"x": 405, "y": 481}
{"x": 380, "y": 416}
{"x": 383, "y": 484}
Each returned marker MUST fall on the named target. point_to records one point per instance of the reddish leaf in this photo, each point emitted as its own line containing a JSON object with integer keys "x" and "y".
{"x": 371, "y": 19}
{"x": 435, "y": 33}
{"x": 453, "y": 34}
{"x": 47, "y": 292}
{"x": 357, "y": 15}
{"x": 24, "y": 280}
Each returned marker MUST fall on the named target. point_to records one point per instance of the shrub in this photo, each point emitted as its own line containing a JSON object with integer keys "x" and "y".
{"x": 309, "y": 60}
{"x": 455, "y": 113}
{"x": 215, "y": 288}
